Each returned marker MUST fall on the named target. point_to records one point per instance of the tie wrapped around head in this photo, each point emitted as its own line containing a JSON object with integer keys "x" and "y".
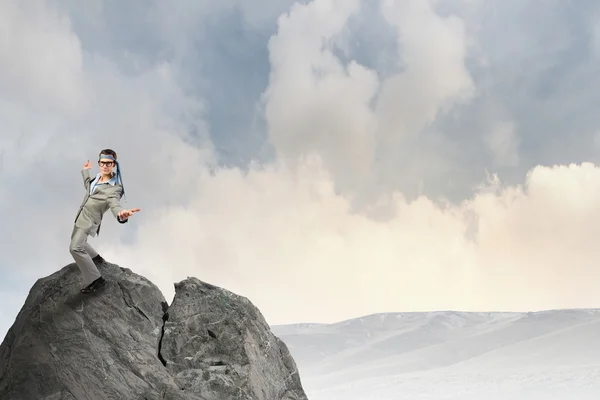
{"x": 119, "y": 178}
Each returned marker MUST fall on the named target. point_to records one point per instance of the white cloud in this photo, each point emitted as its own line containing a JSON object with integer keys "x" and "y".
{"x": 315, "y": 103}
{"x": 40, "y": 57}
{"x": 274, "y": 234}
{"x": 433, "y": 52}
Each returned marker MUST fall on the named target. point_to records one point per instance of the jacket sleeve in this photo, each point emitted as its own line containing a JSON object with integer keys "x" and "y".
{"x": 113, "y": 203}
{"x": 85, "y": 174}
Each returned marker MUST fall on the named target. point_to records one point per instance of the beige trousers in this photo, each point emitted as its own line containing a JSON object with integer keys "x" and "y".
{"x": 83, "y": 253}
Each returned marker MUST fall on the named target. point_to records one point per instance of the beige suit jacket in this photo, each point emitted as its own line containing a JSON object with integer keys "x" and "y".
{"x": 93, "y": 207}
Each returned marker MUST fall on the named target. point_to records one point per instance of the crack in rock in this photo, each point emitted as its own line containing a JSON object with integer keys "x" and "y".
{"x": 162, "y": 335}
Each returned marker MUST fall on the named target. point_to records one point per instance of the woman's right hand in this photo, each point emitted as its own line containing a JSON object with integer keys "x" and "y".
{"x": 87, "y": 165}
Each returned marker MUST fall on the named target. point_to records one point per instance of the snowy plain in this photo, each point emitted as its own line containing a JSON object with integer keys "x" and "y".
{"x": 549, "y": 355}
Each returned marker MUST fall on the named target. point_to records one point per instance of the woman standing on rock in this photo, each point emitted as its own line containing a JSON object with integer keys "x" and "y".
{"x": 102, "y": 193}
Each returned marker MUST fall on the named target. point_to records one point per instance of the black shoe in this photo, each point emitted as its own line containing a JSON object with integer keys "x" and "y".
{"x": 98, "y": 260}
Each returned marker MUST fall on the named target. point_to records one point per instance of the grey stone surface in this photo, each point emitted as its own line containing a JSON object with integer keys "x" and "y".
{"x": 124, "y": 342}
{"x": 218, "y": 344}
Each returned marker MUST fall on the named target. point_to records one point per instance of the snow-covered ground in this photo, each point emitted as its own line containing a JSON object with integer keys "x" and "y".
{"x": 450, "y": 355}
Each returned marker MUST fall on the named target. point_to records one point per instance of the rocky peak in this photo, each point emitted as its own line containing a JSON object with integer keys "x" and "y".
{"x": 125, "y": 342}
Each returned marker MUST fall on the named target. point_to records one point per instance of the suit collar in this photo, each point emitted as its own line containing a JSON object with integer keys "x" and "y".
{"x": 112, "y": 180}
{"x": 96, "y": 188}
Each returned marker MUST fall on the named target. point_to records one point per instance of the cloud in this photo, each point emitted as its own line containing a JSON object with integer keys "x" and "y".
{"x": 360, "y": 123}
{"x": 433, "y": 52}
{"x": 314, "y": 104}
{"x": 297, "y": 241}
{"x": 296, "y": 233}
{"x": 373, "y": 197}
{"x": 40, "y": 57}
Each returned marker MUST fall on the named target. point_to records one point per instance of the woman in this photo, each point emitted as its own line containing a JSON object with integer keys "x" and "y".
{"x": 102, "y": 193}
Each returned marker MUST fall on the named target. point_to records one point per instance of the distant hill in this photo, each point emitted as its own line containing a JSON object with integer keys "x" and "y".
{"x": 450, "y": 355}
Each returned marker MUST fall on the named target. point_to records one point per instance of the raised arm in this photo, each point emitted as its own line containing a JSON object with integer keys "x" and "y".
{"x": 85, "y": 174}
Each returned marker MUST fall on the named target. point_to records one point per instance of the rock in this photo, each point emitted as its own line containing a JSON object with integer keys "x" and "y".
{"x": 124, "y": 342}
{"x": 219, "y": 345}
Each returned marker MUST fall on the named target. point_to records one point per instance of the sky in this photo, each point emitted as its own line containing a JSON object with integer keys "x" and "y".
{"x": 326, "y": 159}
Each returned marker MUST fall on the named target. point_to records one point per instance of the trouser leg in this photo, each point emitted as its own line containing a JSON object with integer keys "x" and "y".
{"x": 90, "y": 250}
{"x": 78, "y": 248}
